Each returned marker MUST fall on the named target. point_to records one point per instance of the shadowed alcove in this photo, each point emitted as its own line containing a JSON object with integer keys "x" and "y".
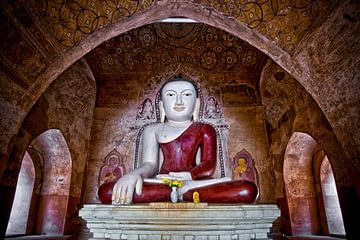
{"x": 314, "y": 208}
{"x": 42, "y": 194}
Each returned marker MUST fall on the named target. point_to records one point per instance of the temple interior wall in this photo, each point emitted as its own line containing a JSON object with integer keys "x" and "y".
{"x": 114, "y": 127}
{"x": 68, "y": 111}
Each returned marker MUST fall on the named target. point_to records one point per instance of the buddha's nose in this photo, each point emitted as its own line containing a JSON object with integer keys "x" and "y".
{"x": 179, "y": 100}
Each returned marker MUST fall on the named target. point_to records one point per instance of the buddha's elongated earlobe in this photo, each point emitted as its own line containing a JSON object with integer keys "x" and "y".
{"x": 196, "y": 114}
{"x": 162, "y": 111}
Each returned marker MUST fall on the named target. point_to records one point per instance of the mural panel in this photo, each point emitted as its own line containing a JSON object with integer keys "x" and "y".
{"x": 285, "y": 21}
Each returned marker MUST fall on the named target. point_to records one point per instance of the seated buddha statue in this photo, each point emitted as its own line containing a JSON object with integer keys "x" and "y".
{"x": 178, "y": 136}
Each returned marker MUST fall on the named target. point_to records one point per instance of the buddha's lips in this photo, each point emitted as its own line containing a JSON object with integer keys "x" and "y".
{"x": 179, "y": 108}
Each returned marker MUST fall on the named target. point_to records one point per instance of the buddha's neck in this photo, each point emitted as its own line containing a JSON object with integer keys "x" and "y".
{"x": 185, "y": 123}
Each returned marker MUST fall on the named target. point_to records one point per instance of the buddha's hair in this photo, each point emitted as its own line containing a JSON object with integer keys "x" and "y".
{"x": 180, "y": 78}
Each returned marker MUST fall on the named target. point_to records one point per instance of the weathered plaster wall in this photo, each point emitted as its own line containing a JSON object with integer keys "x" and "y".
{"x": 68, "y": 106}
{"x": 288, "y": 108}
{"x": 10, "y": 117}
{"x": 38, "y": 166}
{"x": 247, "y": 131}
{"x": 318, "y": 159}
{"x": 330, "y": 58}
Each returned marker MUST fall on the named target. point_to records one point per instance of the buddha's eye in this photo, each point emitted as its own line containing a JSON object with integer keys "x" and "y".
{"x": 170, "y": 94}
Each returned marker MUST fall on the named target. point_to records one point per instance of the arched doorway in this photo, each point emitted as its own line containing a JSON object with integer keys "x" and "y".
{"x": 42, "y": 191}
{"x": 18, "y": 221}
{"x": 310, "y": 188}
{"x": 54, "y": 193}
{"x": 299, "y": 184}
{"x": 333, "y": 214}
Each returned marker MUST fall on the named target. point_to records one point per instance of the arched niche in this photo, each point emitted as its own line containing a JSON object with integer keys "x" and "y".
{"x": 41, "y": 202}
{"x": 72, "y": 94}
{"x": 333, "y": 214}
{"x": 53, "y": 196}
{"x": 310, "y": 189}
{"x": 18, "y": 222}
{"x": 299, "y": 184}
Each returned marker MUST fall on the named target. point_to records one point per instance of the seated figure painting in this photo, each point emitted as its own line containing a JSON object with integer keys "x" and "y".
{"x": 146, "y": 110}
{"x": 182, "y": 147}
{"x": 244, "y": 168}
{"x": 112, "y": 169}
{"x": 212, "y": 109}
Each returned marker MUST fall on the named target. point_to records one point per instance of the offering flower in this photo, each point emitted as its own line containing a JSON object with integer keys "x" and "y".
{"x": 175, "y": 183}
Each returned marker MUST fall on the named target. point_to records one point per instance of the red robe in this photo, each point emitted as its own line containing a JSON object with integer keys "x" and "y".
{"x": 180, "y": 155}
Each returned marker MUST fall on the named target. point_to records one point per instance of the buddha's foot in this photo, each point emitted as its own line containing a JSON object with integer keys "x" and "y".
{"x": 228, "y": 192}
{"x": 151, "y": 192}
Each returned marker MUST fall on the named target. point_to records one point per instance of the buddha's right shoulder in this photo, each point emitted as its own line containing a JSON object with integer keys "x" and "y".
{"x": 152, "y": 127}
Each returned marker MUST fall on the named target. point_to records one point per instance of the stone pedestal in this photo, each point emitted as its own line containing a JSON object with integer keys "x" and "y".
{"x": 179, "y": 221}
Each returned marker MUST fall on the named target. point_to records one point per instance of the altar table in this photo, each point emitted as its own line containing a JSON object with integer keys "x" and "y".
{"x": 180, "y": 221}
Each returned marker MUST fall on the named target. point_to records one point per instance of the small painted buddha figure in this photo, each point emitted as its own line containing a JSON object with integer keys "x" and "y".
{"x": 179, "y": 136}
{"x": 112, "y": 170}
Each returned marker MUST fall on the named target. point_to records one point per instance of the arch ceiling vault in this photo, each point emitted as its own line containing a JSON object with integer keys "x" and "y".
{"x": 36, "y": 33}
{"x": 41, "y": 39}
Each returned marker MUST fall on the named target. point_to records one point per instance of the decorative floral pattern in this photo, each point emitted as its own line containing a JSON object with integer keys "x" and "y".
{"x": 157, "y": 45}
{"x": 285, "y": 21}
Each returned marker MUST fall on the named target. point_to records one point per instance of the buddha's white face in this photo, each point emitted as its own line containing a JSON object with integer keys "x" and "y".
{"x": 179, "y": 99}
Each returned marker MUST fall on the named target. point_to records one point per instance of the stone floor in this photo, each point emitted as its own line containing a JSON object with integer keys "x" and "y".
{"x": 37, "y": 237}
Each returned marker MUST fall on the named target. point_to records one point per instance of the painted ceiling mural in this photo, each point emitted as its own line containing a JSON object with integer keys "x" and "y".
{"x": 153, "y": 46}
{"x": 232, "y": 66}
{"x": 285, "y": 21}
{"x": 33, "y": 34}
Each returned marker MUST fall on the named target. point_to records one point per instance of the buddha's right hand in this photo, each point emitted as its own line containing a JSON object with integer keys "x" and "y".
{"x": 123, "y": 190}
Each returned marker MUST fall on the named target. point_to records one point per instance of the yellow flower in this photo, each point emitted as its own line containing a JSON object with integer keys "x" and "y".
{"x": 174, "y": 183}
{"x": 165, "y": 180}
